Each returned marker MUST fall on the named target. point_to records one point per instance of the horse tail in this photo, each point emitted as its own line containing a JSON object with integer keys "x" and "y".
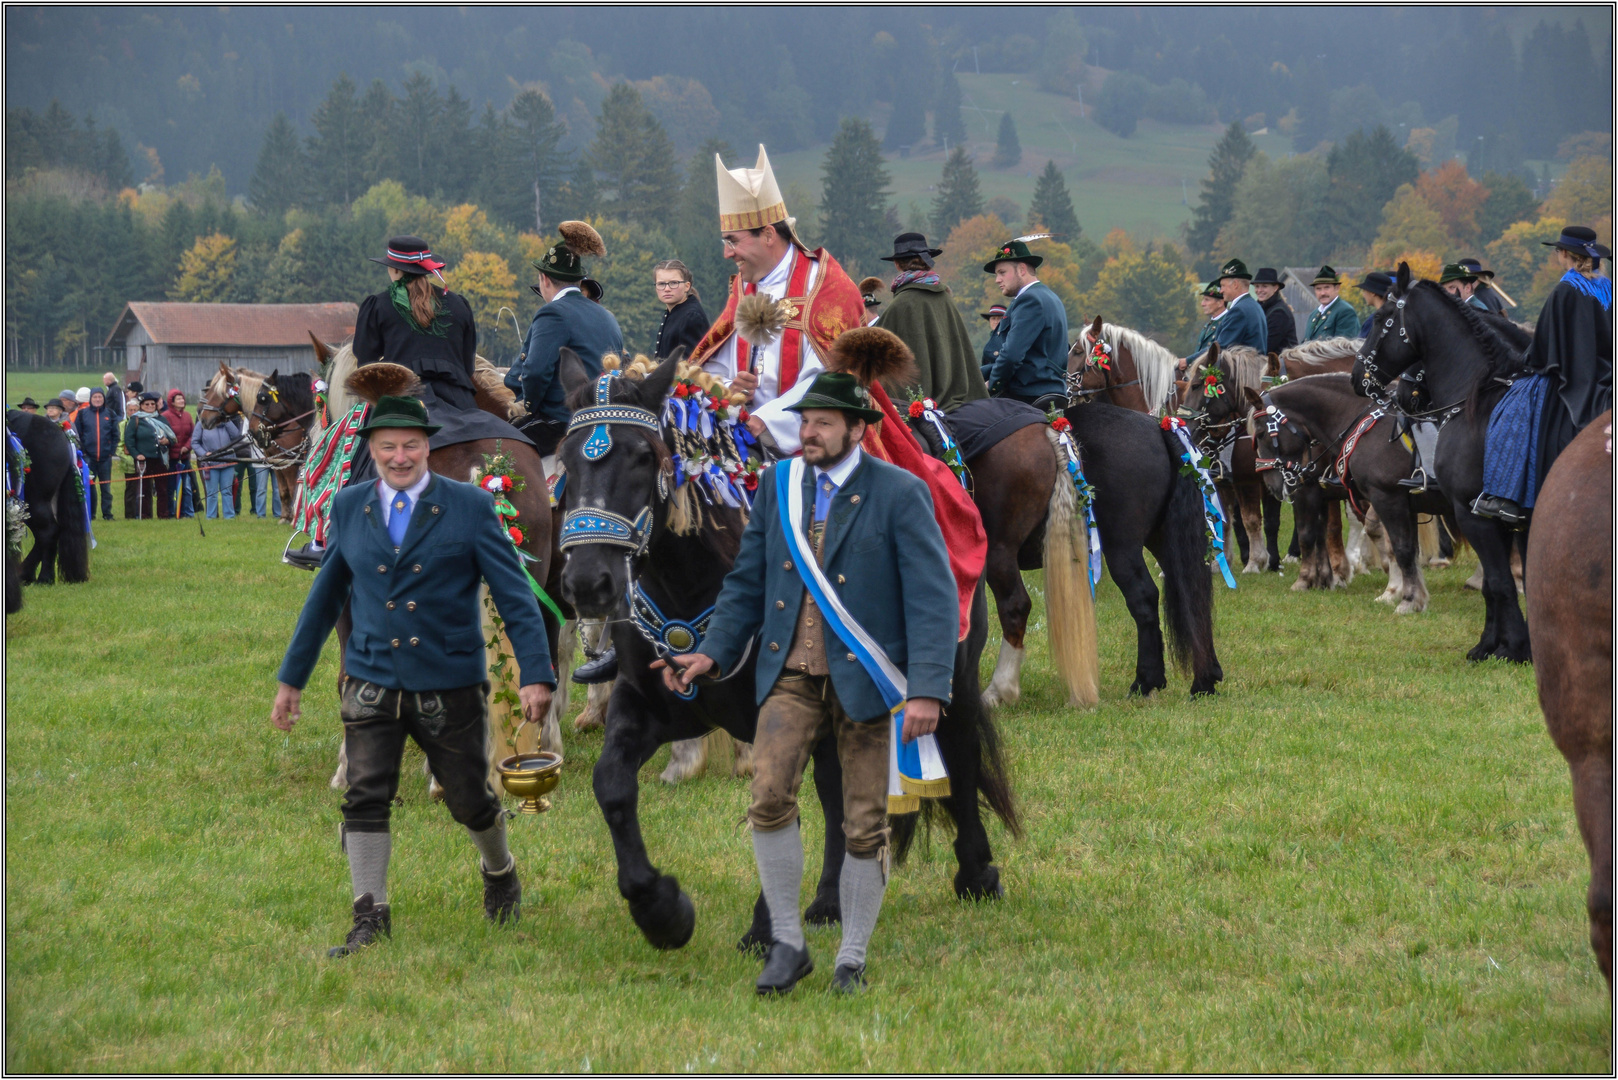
{"x": 1070, "y": 613}
{"x": 72, "y": 532}
{"x": 1187, "y": 589}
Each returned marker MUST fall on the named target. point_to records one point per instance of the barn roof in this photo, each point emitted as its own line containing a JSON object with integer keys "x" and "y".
{"x": 236, "y": 324}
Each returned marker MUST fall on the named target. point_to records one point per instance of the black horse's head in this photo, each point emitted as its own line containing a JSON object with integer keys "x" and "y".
{"x": 620, "y": 475}
{"x": 1390, "y": 347}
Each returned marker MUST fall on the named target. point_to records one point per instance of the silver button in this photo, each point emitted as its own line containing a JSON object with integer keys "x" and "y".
{"x": 851, "y": 657}
{"x": 841, "y": 580}
{"x": 435, "y": 509}
{"x": 855, "y": 500}
{"x": 381, "y": 569}
{"x": 787, "y": 565}
{"x": 410, "y": 606}
{"x": 780, "y": 605}
{"x": 415, "y": 641}
{"x": 390, "y": 605}
{"x": 395, "y": 643}
{"x": 774, "y": 647}
{"x": 416, "y": 569}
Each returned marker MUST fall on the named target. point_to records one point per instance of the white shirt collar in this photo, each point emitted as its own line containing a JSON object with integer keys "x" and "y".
{"x": 1327, "y": 304}
{"x": 563, "y": 292}
{"x": 1025, "y": 288}
{"x": 841, "y": 471}
{"x": 1221, "y": 315}
{"x": 386, "y": 491}
{"x": 776, "y": 280}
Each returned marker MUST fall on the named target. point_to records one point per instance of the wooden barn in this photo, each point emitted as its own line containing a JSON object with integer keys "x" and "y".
{"x": 180, "y": 345}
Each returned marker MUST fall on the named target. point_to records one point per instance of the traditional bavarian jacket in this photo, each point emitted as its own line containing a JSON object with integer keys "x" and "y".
{"x": 1243, "y": 323}
{"x": 824, "y": 302}
{"x": 1337, "y": 320}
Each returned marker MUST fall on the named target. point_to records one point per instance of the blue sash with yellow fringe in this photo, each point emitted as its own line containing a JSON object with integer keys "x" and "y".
{"x": 915, "y": 769}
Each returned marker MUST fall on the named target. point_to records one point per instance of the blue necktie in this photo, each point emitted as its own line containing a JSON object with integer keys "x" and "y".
{"x": 399, "y": 520}
{"x": 823, "y": 493}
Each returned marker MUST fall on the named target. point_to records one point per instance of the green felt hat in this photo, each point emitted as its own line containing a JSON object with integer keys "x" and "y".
{"x": 1013, "y": 251}
{"x": 398, "y": 412}
{"x": 1234, "y": 268}
{"x": 1327, "y": 276}
{"x": 1210, "y": 288}
{"x": 1456, "y": 272}
{"x": 838, "y": 390}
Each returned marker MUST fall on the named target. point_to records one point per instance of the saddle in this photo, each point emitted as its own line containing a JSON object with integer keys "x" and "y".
{"x": 978, "y": 426}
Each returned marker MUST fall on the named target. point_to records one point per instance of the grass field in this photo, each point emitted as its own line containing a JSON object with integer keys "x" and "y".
{"x": 1360, "y": 856}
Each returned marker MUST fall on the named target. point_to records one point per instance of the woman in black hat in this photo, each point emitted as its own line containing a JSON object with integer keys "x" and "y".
{"x": 430, "y": 330}
{"x": 1572, "y": 352}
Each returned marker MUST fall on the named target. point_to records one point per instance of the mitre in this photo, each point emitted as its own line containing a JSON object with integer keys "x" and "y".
{"x": 749, "y": 198}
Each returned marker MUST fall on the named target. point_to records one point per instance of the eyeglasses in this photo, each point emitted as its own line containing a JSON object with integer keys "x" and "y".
{"x": 669, "y": 284}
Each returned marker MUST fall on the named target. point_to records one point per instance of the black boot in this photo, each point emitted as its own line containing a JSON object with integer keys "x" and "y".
{"x": 371, "y": 921}
{"x": 603, "y": 668}
{"x": 848, "y": 979}
{"x": 502, "y": 895}
{"x": 784, "y": 968}
{"x": 1503, "y": 510}
{"x": 307, "y": 557}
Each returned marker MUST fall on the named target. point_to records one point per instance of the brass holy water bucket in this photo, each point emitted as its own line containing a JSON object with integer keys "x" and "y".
{"x": 530, "y": 777}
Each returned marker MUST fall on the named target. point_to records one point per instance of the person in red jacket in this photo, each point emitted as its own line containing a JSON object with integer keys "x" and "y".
{"x": 182, "y": 491}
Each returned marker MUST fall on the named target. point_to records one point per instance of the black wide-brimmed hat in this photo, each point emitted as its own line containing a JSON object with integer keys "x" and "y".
{"x": 1455, "y": 272}
{"x": 1581, "y": 241}
{"x": 592, "y": 288}
{"x": 994, "y": 310}
{"x": 398, "y": 412}
{"x": 1266, "y": 276}
{"x": 1477, "y": 269}
{"x": 838, "y": 390}
{"x": 27, "y": 403}
{"x": 912, "y": 245}
{"x": 1327, "y": 276}
{"x": 1234, "y": 268}
{"x": 1013, "y": 251}
{"x": 58, "y": 403}
{"x": 562, "y": 260}
{"x": 1377, "y": 282}
{"x": 410, "y": 255}
{"x": 146, "y": 395}
{"x": 135, "y": 385}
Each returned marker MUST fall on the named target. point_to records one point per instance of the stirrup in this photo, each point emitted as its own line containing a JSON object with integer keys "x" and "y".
{"x": 303, "y": 558}
{"x": 1417, "y": 482}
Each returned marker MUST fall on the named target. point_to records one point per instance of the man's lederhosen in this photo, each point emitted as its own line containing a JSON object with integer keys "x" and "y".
{"x": 801, "y": 709}
{"x": 450, "y": 726}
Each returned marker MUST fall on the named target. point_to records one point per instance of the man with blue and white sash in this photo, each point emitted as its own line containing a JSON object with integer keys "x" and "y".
{"x": 844, "y": 577}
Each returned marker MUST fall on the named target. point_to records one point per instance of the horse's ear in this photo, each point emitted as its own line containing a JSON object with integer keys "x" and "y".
{"x": 678, "y": 354}
{"x": 224, "y": 369}
{"x": 1272, "y": 366}
{"x": 1253, "y": 397}
{"x": 1403, "y": 278}
{"x": 322, "y": 350}
{"x": 1095, "y": 329}
{"x": 575, "y": 377}
{"x": 656, "y": 385}
{"x": 271, "y": 378}
{"x": 1211, "y": 357}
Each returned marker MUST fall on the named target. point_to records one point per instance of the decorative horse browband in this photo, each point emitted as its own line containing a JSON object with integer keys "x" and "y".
{"x": 603, "y": 414}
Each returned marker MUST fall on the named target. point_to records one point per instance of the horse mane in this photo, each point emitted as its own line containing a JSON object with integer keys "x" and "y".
{"x": 297, "y": 391}
{"x": 1498, "y": 354}
{"x": 1155, "y": 363}
{"x": 338, "y": 399}
{"x": 719, "y": 527}
{"x": 1246, "y": 367}
{"x": 1321, "y": 351}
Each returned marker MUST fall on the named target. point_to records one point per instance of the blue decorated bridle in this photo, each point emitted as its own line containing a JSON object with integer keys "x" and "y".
{"x": 590, "y": 526}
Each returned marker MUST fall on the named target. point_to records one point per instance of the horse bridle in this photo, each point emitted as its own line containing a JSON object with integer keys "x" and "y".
{"x": 592, "y": 526}
{"x": 1076, "y": 393}
{"x": 1275, "y": 421}
{"x": 1376, "y": 386}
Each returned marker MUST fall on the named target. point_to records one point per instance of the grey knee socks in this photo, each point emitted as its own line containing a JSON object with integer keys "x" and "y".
{"x": 780, "y": 874}
{"x": 368, "y": 863}
{"x": 860, "y": 892}
{"x": 491, "y": 843}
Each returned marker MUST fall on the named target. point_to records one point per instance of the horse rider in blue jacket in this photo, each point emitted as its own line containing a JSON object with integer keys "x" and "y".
{"x": 871, "y": 529}
{"x": 1032, "y": 365}
{"x": 406, "y": 554}
{"x": 1244, "y": 322}
{"x": 568, "y": 319}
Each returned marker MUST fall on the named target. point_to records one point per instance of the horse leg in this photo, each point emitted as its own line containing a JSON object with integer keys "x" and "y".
{"x": 688, "y": 759}
{"x": 1494, "y": 558}
{"x": 1309, "y": 518}
{"x": 40, "y": 565}
{"x": 1012, "y": 602}
{"x": 662, "y": 911}
{"x": 1592, "y": 802}
{"x": 1272, "y": 527}
{"x": 1250, "y": 503}
{"x": 976, "y": 876}
{"x": 1134, "y": 580}
{"x": 1235, "y": 524}
{"x": 1400, "y": 525}
{"x": 594, "y": 714}
{"x": 1341, "y": 573}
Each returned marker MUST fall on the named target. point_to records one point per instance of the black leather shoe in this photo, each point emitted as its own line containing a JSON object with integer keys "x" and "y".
{"x": 502, "y": 895}
{"x": 848, "y": 979}
{"x": 1502, "y": 510}
{"x": 306, "y": 557}
{"x": 784, "y": 968}
{"x": 603, "y": 668}
{"x": 371, "y": 921}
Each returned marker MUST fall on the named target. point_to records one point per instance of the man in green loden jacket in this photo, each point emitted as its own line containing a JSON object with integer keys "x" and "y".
{"x": 1335, "y": 317}
{"x": 923, "y": 316}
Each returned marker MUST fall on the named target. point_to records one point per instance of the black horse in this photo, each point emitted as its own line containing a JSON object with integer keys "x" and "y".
{"x": 681, "y": 573}
{"x": 55, "y": 496}
{"x": 1460, "y": 359}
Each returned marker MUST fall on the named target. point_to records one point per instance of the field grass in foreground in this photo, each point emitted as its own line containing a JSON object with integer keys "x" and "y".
{"x": 1360, "y": 857}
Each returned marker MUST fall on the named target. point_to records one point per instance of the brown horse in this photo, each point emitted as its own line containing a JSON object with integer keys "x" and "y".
{"x": 1131, "y": 372}
{"x": 1569, "y": 579}
{"x": 465, "y": 462}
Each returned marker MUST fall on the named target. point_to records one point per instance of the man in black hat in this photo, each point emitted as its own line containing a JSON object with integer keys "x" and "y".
{"x": 870, "y": 292}
{"x": 1484, "y": 287}
{"x": 1032, "y": 365}
{"x": 871, "y": 531}
{"x": 1281, "y": 325}
{"x": 923, "y": 316}
{"x": 1212, "y": 302}
{"x": 569, "y": 320}
{"x": 28, "y": 405}
{"x": 1461, "y": 283}
{"x": 406, "y": 554}
{"x": 1243, "y": 322}
{"x": 1335, "y": 316}
{"x": 1374, "y": 289}
{"x": 996, "y": 318}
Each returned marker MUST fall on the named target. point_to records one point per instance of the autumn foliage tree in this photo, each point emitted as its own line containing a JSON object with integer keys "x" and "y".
{"x": 1456, "y": 198}
{"x": 206, "y": 270}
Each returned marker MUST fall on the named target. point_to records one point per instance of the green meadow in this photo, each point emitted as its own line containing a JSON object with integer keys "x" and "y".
{"x": 1359, "y": 857}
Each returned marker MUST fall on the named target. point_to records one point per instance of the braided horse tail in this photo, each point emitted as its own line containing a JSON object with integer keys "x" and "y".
{"x": 1070, "y": 612}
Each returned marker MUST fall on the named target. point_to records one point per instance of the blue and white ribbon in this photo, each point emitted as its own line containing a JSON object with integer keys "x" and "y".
{"x": 1212, "y": 512}
{"x": 1087, "y": 497}
{"x": 915, "y": 768}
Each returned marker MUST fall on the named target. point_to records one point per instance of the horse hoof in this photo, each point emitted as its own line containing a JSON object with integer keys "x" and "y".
{"x": 668, "y": 918}
{"x": 1144, "y": 687}
{"x": 982, "y": 885}
{"x": 825, "y": 909}
{"x": 587, "y": 721}
{"x": 1478, "y": 653}
{"x": 1204, "y": 688}
{"x": 754, "y": 944}
{"x": 1409, "y": 607}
